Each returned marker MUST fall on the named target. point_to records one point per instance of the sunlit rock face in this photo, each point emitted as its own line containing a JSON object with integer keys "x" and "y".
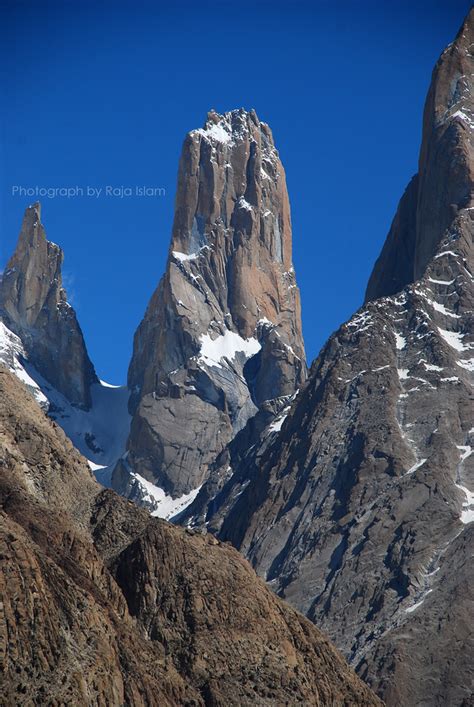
{"x": 221, "y": 339}
{"x": 34, "y": 306}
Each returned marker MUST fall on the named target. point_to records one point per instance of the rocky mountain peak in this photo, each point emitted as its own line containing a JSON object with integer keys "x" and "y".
{"x": 232, "y": 200}
{"x": 444, "y": 183}
{"x": 230, "y": 126}
{"x": 357, "y": 505}
{"x": 34, "y": 306}
{"x": 37, "y": 262}
{"x": 221, "y": 337}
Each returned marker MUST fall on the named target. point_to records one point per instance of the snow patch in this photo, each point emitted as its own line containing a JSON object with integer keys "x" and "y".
{"x": 361, "y": 321}
{"x": 216, "y": 132}
{"x": 277, "y": 424}
{"x": 357, "y": 375}
{"x": 416, "y": 466}
{"x": 467, "y": 512}
{"x": 440, "y": 282}
{"x": 226, "y": 346}
{"x": 265, "y": 322}
{"x": 108, "y": 385}
{"x": 242, "y": 203}
{"x": 13, "y": 356}
{"x": 100, "y": 434}
{"x": 466, "y": 452}
{"x": 431, "y": 366}
{"x": 183, "y": 257}
{"x": 439, "y": 307}
{"x": 410, "y": 609}
{"x": 96, "y": 467}
{"x": 446, "y": 252}
{"x": 467, "y": 363}
{"x": 462, "y": 116}
{"x": 454, "y": 339}
{"x": 400, "y": 341}
{"x": 167, "y": 506}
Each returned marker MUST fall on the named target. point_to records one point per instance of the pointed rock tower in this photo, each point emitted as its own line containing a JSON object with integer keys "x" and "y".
{"x": 221, "y": 338}
{"x": 443, "y": 186}
{"x": 33, "y": 305}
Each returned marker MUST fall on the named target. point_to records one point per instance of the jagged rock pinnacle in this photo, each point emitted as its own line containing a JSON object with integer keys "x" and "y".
{"x": 444, "y": 183}
{"x": 222, "y": 334}
{"x": 33, "y": 304}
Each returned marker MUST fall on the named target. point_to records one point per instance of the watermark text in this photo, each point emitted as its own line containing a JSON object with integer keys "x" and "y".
{"x": 76, "y": 191}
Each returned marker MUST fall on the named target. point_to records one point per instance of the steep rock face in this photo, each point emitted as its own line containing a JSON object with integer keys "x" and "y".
{"x": 102, "y": 604}
{"x": 221, "y": 337}
{"x": 42, "y": 344}
{"x": 33, "y": 305}
{"x": 443, "y": 185}
{"x": 360, "y": 510}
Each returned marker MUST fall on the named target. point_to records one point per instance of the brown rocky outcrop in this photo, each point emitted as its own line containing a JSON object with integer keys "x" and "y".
{"x": 34, "y": 306}
{"x": 101, "y": 604}
{"x": 221, "y": 337}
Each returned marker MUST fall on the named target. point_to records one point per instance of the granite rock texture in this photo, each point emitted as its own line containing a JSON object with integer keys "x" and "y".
{"x": 34, "y": 306}
{"x": 221, "y": 337}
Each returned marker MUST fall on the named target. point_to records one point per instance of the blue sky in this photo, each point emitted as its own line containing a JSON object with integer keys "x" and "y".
{"x": 98, "y": 94}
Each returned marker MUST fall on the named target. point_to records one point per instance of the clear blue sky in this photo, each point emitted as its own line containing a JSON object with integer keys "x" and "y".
{"x": 103, "y": 93}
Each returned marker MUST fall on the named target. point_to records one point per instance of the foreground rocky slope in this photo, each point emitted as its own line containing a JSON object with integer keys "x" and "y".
{"x": 34, "y": 306}
{"x": 360, "y": 510}
{"x": 102, "y": 604}
{"x": 221, "y": 339}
